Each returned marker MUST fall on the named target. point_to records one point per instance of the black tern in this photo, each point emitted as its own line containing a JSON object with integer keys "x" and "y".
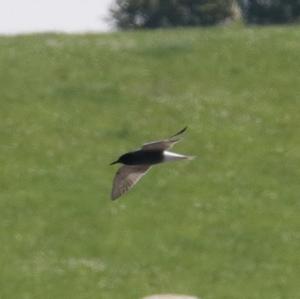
{"x": 138, "y": 162}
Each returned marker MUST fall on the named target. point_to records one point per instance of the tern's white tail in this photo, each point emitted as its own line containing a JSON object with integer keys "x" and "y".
{"x": 170, "y": 156}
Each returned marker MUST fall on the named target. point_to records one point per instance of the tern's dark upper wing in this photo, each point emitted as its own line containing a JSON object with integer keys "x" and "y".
{"x": 163, "y": 144}
{"x": 126, "y": 177}
{"x": 180, "y": 132}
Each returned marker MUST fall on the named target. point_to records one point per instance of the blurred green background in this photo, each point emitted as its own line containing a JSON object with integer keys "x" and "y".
{"x": 225, "y": 225}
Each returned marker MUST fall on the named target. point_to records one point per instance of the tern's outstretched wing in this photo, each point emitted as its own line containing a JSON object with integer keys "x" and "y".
{"x": 126, "y": 177}
{"x": 163, "y": 144}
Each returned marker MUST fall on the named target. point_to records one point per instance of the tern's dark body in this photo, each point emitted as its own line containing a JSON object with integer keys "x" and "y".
{"x": 142, "y": 157}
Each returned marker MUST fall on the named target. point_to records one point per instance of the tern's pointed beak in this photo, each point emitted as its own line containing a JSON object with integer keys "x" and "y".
{"x": 115, "y": 162}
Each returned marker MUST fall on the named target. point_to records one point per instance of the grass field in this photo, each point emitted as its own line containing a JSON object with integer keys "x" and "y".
{"x": 223, "y": 226}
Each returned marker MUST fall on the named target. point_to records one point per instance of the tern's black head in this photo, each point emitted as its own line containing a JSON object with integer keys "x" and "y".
{"x": 122, "y": 159}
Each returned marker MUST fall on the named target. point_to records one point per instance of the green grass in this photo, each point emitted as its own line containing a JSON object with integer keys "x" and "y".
{"x": 225, "y": 225}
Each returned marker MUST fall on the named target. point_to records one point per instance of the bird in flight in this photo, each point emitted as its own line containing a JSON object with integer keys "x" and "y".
{"x": 137, "y": 163}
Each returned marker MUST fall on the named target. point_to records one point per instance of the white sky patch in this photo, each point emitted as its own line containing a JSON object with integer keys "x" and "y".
{"x": 23, "y": 16}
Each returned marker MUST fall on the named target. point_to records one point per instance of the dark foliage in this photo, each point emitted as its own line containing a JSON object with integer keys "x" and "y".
{"x": 271, "y": 11}
{"x": 169, "y": 13}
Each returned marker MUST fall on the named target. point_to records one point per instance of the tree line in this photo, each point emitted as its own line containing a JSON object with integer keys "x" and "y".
{"x": 134, "y": 14}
